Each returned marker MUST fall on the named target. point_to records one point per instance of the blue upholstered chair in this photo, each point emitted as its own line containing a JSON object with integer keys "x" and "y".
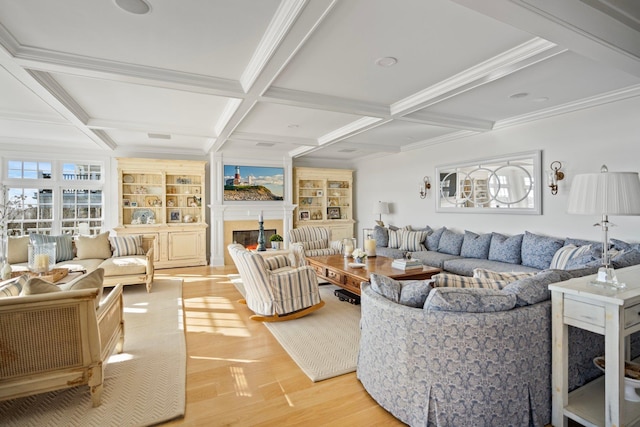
{"x": 315, "y": 240}
{"x": 276, "y": 289}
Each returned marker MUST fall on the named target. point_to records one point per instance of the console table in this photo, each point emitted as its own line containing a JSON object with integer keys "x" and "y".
{"x": 336, "y": 269}
{"x": 606, "y": 311}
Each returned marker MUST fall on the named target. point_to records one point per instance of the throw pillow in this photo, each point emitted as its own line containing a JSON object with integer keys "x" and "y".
{"x": 94, "y": 247}
{"x": 498, "y": 275}
{"x": 413, "y": 241}
{"x": 13, "y": 287}
{"x": 475, "y": 245}
{"x": 433, "y": 239}
{"x": 64, "y": 245}
{"x": 385, "y": 286}
{"x": 535, "y": 289}
{"x": 565, "y": 254}
{"x": 127, "y": 245}
{"x": 456, "y": 281}
{"x": 396, "y": 236}
{"x": 469, "y": 300}
{"x": 414, "y": 293}
{"x": 36, "y": 285}
{"x": 626, "y": 258}
{"x": 93, "y": 280}
{"x": 381, "y": 236}
{"x": 450, "y": 242}
{"x": 538, "y": 251}
{"x": 17, "y": 249}
{"x": 315, "y": 244}
{"x": 277, "y": 261}
{"x": 506, "y": 249}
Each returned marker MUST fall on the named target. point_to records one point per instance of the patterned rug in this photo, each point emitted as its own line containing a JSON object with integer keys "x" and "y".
{"x": 324, "y": 344}
{"x": 144, "y": 385}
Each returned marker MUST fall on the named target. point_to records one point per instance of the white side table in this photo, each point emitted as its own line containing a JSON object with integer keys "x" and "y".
{"x": 609, "y": 312}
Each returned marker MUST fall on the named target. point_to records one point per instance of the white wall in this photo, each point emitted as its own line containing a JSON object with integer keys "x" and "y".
{"x": 582, "y": 141}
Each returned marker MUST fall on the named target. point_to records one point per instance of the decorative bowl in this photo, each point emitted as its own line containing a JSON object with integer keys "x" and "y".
{"x": 631, "y": 378}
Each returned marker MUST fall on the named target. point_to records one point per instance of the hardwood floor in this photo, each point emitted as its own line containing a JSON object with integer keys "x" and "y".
{"x": 238, "y": 374}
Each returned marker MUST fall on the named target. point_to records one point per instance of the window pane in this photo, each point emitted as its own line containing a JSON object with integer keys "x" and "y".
{"x": 81, "y": 171}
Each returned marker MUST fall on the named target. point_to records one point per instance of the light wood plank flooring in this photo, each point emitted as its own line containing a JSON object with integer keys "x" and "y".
{"x": 238, "y": 374}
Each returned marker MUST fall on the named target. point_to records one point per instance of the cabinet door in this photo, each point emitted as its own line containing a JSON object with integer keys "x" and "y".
{"x": 185, "y": 245}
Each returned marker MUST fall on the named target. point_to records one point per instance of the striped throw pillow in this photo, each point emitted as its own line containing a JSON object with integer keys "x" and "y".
{"x": 277, "y": 261}
{"x": 126, "y": 245}
{"x": 413, "y": 241}
{"x": 316, "y": 244}
{"x": 64, "y": 245}
{"x": 455, "y": 281}
{"x": 483, "y": 273}
{"x": 566, "y": 253}
{"x": 13, "y": 287}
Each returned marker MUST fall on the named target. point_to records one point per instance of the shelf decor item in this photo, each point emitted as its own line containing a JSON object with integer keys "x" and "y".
{"x": 42, "y": 257}
{"x": 275, "y": 240}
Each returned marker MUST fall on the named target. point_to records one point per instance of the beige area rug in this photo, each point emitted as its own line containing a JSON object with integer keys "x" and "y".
{"x": 144, "y": 385}
{"x": 324, "y": 343}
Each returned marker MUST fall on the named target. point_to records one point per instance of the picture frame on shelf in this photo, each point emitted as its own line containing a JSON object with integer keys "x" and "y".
{"x": 175, "y": 215}
{"x": 305, "y": 216}
{"x": 319, "y": 193}
{"x": 333, "y": 212}
{"x": 126, "y": 203}
{"x": 134, "y": 204}
{"x": 172, "y": 201}
{"x": 194, "y": 201}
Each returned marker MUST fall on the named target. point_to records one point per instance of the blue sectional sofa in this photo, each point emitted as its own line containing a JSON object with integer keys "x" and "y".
{"x": 453, "y": 357}
{"x": 461, "y": 253}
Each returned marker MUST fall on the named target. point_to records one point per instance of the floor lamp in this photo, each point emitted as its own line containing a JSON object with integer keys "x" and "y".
{"x": 605, "y": 193}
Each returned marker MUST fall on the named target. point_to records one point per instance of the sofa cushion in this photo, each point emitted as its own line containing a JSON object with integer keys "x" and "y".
{"x": 475, "y": 245}
{"x": 386, "y": 286}
{"x": 567, "y": 253}
{"x": 394, "y": 253}
{"x": 450, "y": 242}
{"x": 414, "y": 293}
{"x": 456, "y": 281}
{"x": 621, "y": 245}
{"x": 97, "y": 246}
{"x": 13, "y": 287}
{"x": 314, "y": 244}
{"x": 17, "y": 249}
{"x": 126, "y": 265}
{"x": 469, "y": 300}
{"x": 126, "y": 245}
{"x": 381, "y": 236}
{"x": 500, "y": 275}
{"x": 414, "y": 241}
{"x": 465, "y": 266}
{"x": 64, "y": 245}
{"x": 277, "y": 261}
{"x": 538, "y": 251}
{"x": 432, "y": 258}
{"x": 88, "y": 264}
{"x": 433, "y": 239}
{"x": 532, "y": 290}
{"x": 506, "y": 249}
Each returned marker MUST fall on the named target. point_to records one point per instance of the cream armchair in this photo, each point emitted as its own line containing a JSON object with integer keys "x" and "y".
{"x": 315, "y": 240}
{"x": 275, "y": 289}
{"x": 58, "y": 340}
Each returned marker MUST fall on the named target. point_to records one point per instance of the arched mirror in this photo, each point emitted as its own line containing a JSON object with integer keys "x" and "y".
{"x": 508, "y": 184}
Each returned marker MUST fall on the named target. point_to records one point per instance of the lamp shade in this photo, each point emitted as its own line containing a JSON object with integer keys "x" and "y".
{"x": 605, "y": 193}
{"x": 381, "y": 208}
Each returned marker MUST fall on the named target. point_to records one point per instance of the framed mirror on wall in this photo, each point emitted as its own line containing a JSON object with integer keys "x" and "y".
{"x": 505, "y": 184}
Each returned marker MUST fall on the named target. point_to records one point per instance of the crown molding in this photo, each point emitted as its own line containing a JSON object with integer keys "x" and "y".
{"x": 277, "y": 139}
{"x": 448, "y": 121}
{"x": 32, "y": 117}
{"x": 522, "y": 56}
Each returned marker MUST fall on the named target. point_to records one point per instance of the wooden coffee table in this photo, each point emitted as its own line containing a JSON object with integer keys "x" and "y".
{"x": 335, "y": 268}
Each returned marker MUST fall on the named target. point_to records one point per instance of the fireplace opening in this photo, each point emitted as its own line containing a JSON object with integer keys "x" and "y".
{"x": 249, "y": 238}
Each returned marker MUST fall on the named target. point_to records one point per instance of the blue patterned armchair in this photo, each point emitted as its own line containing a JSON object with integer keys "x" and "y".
{"x": 466, "y": 357}
{"x": 276, "y": 289}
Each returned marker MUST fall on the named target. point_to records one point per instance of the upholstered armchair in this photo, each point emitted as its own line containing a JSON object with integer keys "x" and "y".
{"x": 275, "y": 288}
{"x": 315, "y": 240}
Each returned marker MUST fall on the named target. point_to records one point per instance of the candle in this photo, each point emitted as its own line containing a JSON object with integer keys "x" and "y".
{"x": 41, "y": 262}
{"x": 260, "y": 218}
{"x": 370, "y": 247}
{"x": 348, "y": 248}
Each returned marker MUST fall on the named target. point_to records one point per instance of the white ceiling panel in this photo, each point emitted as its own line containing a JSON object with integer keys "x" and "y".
{"x": 299, "y": 78}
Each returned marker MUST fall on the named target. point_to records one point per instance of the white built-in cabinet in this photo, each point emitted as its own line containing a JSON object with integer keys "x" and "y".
{"x": 164, "y": 199}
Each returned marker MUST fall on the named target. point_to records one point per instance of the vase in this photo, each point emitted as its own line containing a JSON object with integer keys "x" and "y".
{"x": 359, "y": 260}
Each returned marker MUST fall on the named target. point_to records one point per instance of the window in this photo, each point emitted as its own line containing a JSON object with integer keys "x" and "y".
{"x": 55, "y": 197}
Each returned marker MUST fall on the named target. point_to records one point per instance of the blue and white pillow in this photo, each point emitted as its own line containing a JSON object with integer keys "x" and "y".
{"x": 469, "y": 300}
{"x": 563, "y": 256}
{"x": 413, "y": 241}
{"x": 126, "y": 245}
{"x": 506, "y": 249}
{"x": 538, "y": 251}
{"x": 433, "y": 239}
{"x": 475, "y": 245}
{"x": 450, "y": 242}
{"x": 64, "y": 245}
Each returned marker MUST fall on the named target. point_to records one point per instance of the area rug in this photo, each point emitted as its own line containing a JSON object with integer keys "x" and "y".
{"x": 144, "y": 385}
{"x": 324, "y": 344}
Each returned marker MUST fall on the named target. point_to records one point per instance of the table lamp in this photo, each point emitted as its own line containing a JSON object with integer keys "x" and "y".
{"x": 380, "y": 208}
{"x": 605, "y": 193}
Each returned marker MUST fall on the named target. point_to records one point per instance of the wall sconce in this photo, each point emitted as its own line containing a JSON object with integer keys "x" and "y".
{"x": 554, "y": 176}
{"x": 424, "y": 187}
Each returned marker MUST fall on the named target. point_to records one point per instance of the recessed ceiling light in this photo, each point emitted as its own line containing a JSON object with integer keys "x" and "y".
{"x": 519, "y": 95}
{"x": 265, "y": 144}
{"x": 293, "y": 126}
{"x": 387, "y": 61}
{"x": 138, "y": 7}
{"x": 541, "y": 99}
{"x": 347, "y": 150}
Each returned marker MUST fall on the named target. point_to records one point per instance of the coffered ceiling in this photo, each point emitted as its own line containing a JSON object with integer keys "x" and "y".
{"x": 333, "y": 80}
